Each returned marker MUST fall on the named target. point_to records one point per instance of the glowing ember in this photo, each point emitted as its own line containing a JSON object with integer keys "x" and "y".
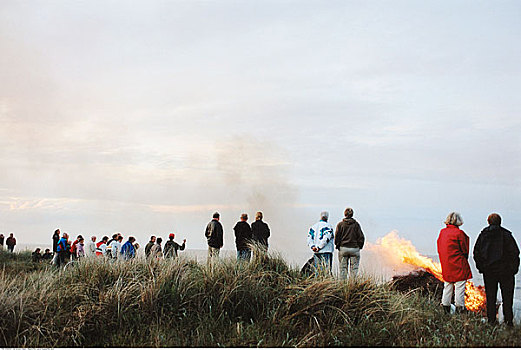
{"x": 402, "y": 250}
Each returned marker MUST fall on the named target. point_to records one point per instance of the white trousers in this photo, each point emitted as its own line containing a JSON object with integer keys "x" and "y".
{"x": 348, "y": 258}
{"x": 448, "y": 290}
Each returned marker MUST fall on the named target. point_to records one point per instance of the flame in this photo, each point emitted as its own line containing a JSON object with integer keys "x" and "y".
{"x": 403, "y": 251}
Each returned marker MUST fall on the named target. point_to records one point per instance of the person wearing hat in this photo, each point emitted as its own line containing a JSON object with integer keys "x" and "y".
{"x": 172, "y": 247}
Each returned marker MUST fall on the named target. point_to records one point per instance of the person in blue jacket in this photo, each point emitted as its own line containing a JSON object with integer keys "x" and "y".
{"x": 127, "y": 250}
{"x": 61, "y": 250}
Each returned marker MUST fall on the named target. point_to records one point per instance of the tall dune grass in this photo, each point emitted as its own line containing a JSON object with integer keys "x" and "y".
{"x": 180, "y": 303}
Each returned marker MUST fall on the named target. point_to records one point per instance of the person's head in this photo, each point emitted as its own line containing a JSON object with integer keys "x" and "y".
{"x": 120, "y": 238}
{"x": 105, "y": 239}
{"x": 258, "y": 215}
{"x": 152, "y": 239}
{"x": 131, "y": 239}
{"x": 159, "y": 240}
{"x": 37, "y": 250}
{"x": 454, "y": 219}
{"x": 216, "y": 216}
{"x": 115, "y": 236}
{"x": 348, "y": 213}
{"x": 47, "y": 250}
{"x": 81, "y": 240}
{"x": 11, "y": 235}
{"x": 244, "y": 217}
{"x": 57, "y": 231}
{"x": 93, "y": 238}
{"x": 79, "y": 237}
{"x": 171, "y": 236}
{"x": 494, "y": 219}
{"x": 324, "y": 216}
{"x": 65, "y": 235}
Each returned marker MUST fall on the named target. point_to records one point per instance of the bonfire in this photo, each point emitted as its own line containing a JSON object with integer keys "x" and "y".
{"x": 404, "y": 251}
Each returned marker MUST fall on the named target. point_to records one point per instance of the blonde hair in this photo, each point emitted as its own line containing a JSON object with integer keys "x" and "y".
{"x": 258, "y": 216}
{"x": 454, "y": 219}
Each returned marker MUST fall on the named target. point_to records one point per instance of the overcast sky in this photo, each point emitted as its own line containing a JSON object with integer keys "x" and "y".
{"x": 144, "y": 117}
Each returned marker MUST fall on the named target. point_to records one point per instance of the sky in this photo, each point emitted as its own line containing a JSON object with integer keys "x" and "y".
{"x": 145, "y": 117}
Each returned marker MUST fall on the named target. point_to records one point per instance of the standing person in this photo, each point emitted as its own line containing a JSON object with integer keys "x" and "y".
{"x": 80, "y": 248}
{"x": 47, "y": 255}
{"x": 453, "y": 249}
{"x": 260, "y": 231}
{"x": 91, "y": 247}
{"x": 74, "y": 248}
{"x": 101, "y": 246}
{"x": 214, "y": 234}
{"x": 320, "y": 240}
{"x": 10, "y": 242}
{"x": 109, "y": 244}
{"x": 497, "y": 257}
{"x": 127, "y": 250}
{"x": 156, "y": 252}
{"x": 149, "y": 246}
{"x": 61, "y": 250}
{"x": 116, "y": 247}
{"x": 243, "y": 238}
{"x": 36, "y": 255}
{"x": 55, "y": 239}
{"x": 349, "y": 240}
{"x": 172, "y": 247}
{"x": 114, "y": 238}
{"x": 1, "y": 241}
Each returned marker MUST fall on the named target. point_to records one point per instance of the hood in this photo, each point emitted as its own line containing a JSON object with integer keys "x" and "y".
{"x": 349, "y": 221}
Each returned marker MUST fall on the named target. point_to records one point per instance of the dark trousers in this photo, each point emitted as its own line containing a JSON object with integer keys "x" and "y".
{"x": 506, "y": 283}
{"x": 61, "y": 258}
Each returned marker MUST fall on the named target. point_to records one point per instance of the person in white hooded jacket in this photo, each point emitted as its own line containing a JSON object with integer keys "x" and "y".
{"x": 321, "y": 242}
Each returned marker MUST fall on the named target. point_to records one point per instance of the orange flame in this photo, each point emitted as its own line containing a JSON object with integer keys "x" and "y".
{"x": 402, "y": 250}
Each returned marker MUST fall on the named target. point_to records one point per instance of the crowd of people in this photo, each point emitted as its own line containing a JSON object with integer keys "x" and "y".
{"x": 245, "y": 234}
{"x": 495, "y": 253}
{"x": 64, "y": 249}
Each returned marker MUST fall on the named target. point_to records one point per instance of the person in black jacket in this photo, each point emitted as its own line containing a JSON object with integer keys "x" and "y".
{"x": 243, "y": 238}
{"x": 260, "y": 231}
{"x": 149, "y": 246}
{"x": 349, "y": 240}
{"x": 214, "y": 234}
{"x": 36, "y": 255}
{"x": 47, "y": 255}
{"x": 172, "y": 247}
{"x": 497, "y": 257}
{"x": 55, "y": 239}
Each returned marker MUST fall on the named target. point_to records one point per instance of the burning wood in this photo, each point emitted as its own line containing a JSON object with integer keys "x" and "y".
{"x": 420, "y": 280}
{"x": 401, "y": 251}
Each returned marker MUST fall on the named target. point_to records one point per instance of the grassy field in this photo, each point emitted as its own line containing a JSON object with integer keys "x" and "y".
{"x": 180, "y": 303}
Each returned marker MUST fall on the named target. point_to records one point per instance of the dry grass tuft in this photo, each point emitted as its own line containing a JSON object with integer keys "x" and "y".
{"x": 180, "y": 303}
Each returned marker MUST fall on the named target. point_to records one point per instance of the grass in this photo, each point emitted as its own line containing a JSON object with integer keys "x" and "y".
{"x": 180, "y": 303}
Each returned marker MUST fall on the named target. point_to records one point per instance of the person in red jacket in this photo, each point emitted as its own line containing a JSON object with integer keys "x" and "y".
{"x": 453, "y": 249}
